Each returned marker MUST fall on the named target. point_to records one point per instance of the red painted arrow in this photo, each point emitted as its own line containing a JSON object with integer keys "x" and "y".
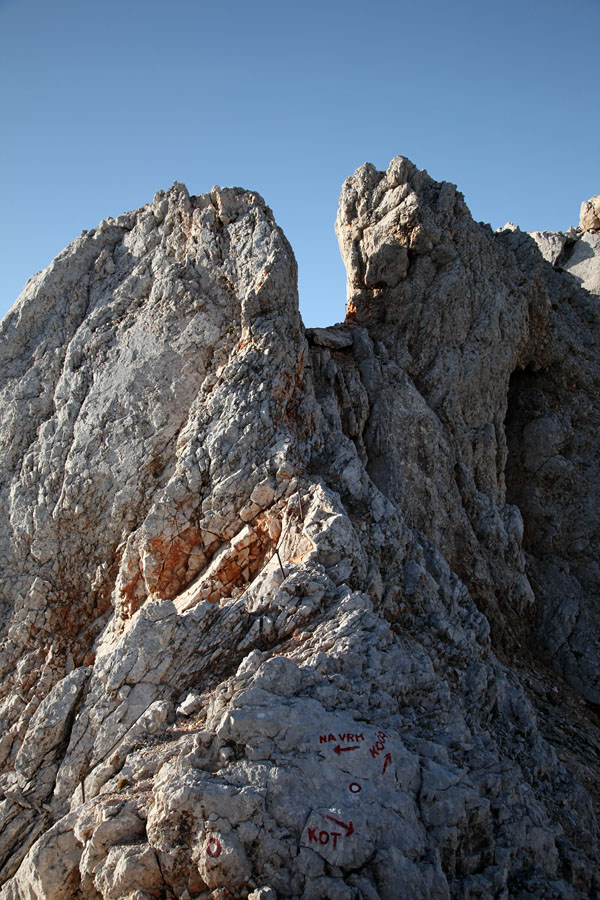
{"x": 349, "y": 828}
{"x": 388, "y": 759}
{"x": 339, "y": 749}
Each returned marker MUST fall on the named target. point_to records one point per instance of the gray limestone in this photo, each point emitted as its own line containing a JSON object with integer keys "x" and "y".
{"x": 300, "y": 614}
{"x": 578, "y": 250}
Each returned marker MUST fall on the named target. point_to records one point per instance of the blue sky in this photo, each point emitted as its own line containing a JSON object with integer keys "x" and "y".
{"x": 104, "y": 103}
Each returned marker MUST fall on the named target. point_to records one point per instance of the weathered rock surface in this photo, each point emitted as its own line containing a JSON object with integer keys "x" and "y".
{"x": 578, "y": 250}
{"x": 294, "y": 614}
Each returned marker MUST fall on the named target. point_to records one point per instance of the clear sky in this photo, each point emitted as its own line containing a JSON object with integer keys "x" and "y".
{"x": 105, "y": 102}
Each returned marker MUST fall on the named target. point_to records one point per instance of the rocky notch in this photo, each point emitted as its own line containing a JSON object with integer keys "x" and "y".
{"x": 270, "y": 597}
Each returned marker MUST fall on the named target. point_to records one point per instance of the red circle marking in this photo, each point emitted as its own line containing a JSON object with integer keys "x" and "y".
{"x": 354, "y": 787}
{"x": 214, "y": 848}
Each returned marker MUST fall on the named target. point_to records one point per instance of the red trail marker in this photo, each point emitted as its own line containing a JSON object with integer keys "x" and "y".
{"x": 349, "y": 827}
{"x": 214, "y": 847}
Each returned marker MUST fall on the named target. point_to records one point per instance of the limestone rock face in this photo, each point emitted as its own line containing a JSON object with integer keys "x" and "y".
{"x": 480, "y": 350}
{"x": 578, "y": 250}
{"x": 589, "y": 216}
{"x": 294, "y": 614}
{"x": 448, "y": 322}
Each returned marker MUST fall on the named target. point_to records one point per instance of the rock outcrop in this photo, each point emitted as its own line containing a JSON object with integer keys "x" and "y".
{"x": 300, "y": 614}
{"x": 576, "y": 251}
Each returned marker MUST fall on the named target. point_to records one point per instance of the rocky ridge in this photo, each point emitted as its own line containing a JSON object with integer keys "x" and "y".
{"x": 300, "y": 614}
{"x": 577, "y": 250}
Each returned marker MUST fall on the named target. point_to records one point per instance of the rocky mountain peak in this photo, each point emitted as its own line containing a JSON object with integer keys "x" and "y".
{"x": 576, "y": 250}
{"x": 589, "y": 216}
{"x": 296, "y": 613}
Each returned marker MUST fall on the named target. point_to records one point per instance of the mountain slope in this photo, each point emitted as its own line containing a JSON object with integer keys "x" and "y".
{"x": 307, "y": 614}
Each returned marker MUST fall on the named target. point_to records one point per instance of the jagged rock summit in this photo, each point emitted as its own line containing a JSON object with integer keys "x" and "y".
{"x": 577, "y": 250}
{"x": 296, "y": 613}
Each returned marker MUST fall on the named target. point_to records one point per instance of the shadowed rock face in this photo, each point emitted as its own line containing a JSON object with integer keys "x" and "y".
{"x": 294, "y": 614}
{"x": 450, "y": 318}
{"x": 489, "y": 393}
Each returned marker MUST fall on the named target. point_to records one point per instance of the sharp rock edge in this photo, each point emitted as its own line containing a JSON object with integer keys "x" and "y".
{"x": 302, "y": 614}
